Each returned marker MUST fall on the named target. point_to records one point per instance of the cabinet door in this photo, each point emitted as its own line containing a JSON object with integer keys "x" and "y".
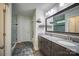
{"x": 44, "y": 46}
{"x": 70, "y": 53}
{"x": 52, "y": 49}
{"x": 39, "y": 42}
{"x": 47, "y": 47}
{"x": 58, "y": 50}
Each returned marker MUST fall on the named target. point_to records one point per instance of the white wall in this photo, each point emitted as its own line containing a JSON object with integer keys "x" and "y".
{"x": 24, "y": 29}
{"x": 34, "y": 40}
{"x": 38, "y": 14}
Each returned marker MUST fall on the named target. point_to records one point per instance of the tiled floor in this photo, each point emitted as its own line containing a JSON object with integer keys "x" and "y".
{"x": 25, "y": 49}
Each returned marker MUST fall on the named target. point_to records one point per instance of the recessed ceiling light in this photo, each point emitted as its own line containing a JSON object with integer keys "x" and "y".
{"x": 61, "y": 4}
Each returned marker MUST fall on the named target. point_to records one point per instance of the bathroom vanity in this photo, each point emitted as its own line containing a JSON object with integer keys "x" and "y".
{"x": 58, "y": 45}
{"x": 61, "y": 33}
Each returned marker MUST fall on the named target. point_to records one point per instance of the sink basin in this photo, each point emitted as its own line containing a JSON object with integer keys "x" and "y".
{"x": 66, "y": 43}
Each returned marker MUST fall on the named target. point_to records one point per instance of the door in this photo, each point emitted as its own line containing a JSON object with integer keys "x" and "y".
{"x": 77, "y": 24}
{"x": 13, "y": 27}
{"x": 14, "y": 30}
{"x": 2, "y": 29}
{"x": 23, "y": 29}
{"x": 74, "y": 24}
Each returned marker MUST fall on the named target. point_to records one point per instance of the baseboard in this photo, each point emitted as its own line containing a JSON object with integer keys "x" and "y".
{"x": 35, "y": 50}
{"x": 23, "y": 41}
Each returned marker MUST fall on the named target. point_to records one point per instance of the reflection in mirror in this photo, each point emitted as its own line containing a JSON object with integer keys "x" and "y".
{"x": 50, "y": 24}
{"x": 59, "y": 23}
{"x": 74, "y": 24}
{"x": 56, "y": 23}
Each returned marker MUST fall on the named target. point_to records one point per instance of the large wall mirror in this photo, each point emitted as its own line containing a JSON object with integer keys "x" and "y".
{"x": 66, "y": 21}
{"x": 50, "y": 24}
{"x": 56, "y": 24}
{"x": 60, "y": 24}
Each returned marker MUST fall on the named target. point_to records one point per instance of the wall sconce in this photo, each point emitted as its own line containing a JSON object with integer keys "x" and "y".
{"x": 51, "y": 22}
{"x": 38, "y": 21}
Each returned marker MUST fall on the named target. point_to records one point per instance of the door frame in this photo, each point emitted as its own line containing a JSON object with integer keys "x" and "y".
{"x": 4, "y": 11}
{"x": 8, "y": 20}
{"x": 3, "y": 26}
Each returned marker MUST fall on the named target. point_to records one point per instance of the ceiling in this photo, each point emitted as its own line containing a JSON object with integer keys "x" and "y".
{"x": 28, "y": 8}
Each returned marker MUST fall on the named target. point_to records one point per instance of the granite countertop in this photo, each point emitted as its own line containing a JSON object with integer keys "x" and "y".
{"x": 66, "y": 33}
{"x": 74, "y": 46}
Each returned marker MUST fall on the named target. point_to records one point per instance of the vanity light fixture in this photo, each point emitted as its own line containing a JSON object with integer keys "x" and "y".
{"x": 51, "y": 22}
{"x": 38, "y": 21}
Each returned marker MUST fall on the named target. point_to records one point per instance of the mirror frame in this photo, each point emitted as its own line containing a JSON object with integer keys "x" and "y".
{"x": 68, "y": 8}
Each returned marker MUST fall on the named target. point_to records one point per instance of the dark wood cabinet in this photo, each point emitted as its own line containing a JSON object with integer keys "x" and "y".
{"x": 47, "y": 47}
{"x": 44, "y": 45}
{"x": 39, "y": 42}
{"x": 58, "y": 50}
{"x": 50, "y": 48}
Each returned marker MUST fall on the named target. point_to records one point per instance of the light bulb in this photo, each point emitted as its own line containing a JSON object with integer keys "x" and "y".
{"x": 61, "y": 4}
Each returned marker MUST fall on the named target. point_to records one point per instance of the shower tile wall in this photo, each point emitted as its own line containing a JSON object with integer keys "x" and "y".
{"x": 14, "y": 27}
